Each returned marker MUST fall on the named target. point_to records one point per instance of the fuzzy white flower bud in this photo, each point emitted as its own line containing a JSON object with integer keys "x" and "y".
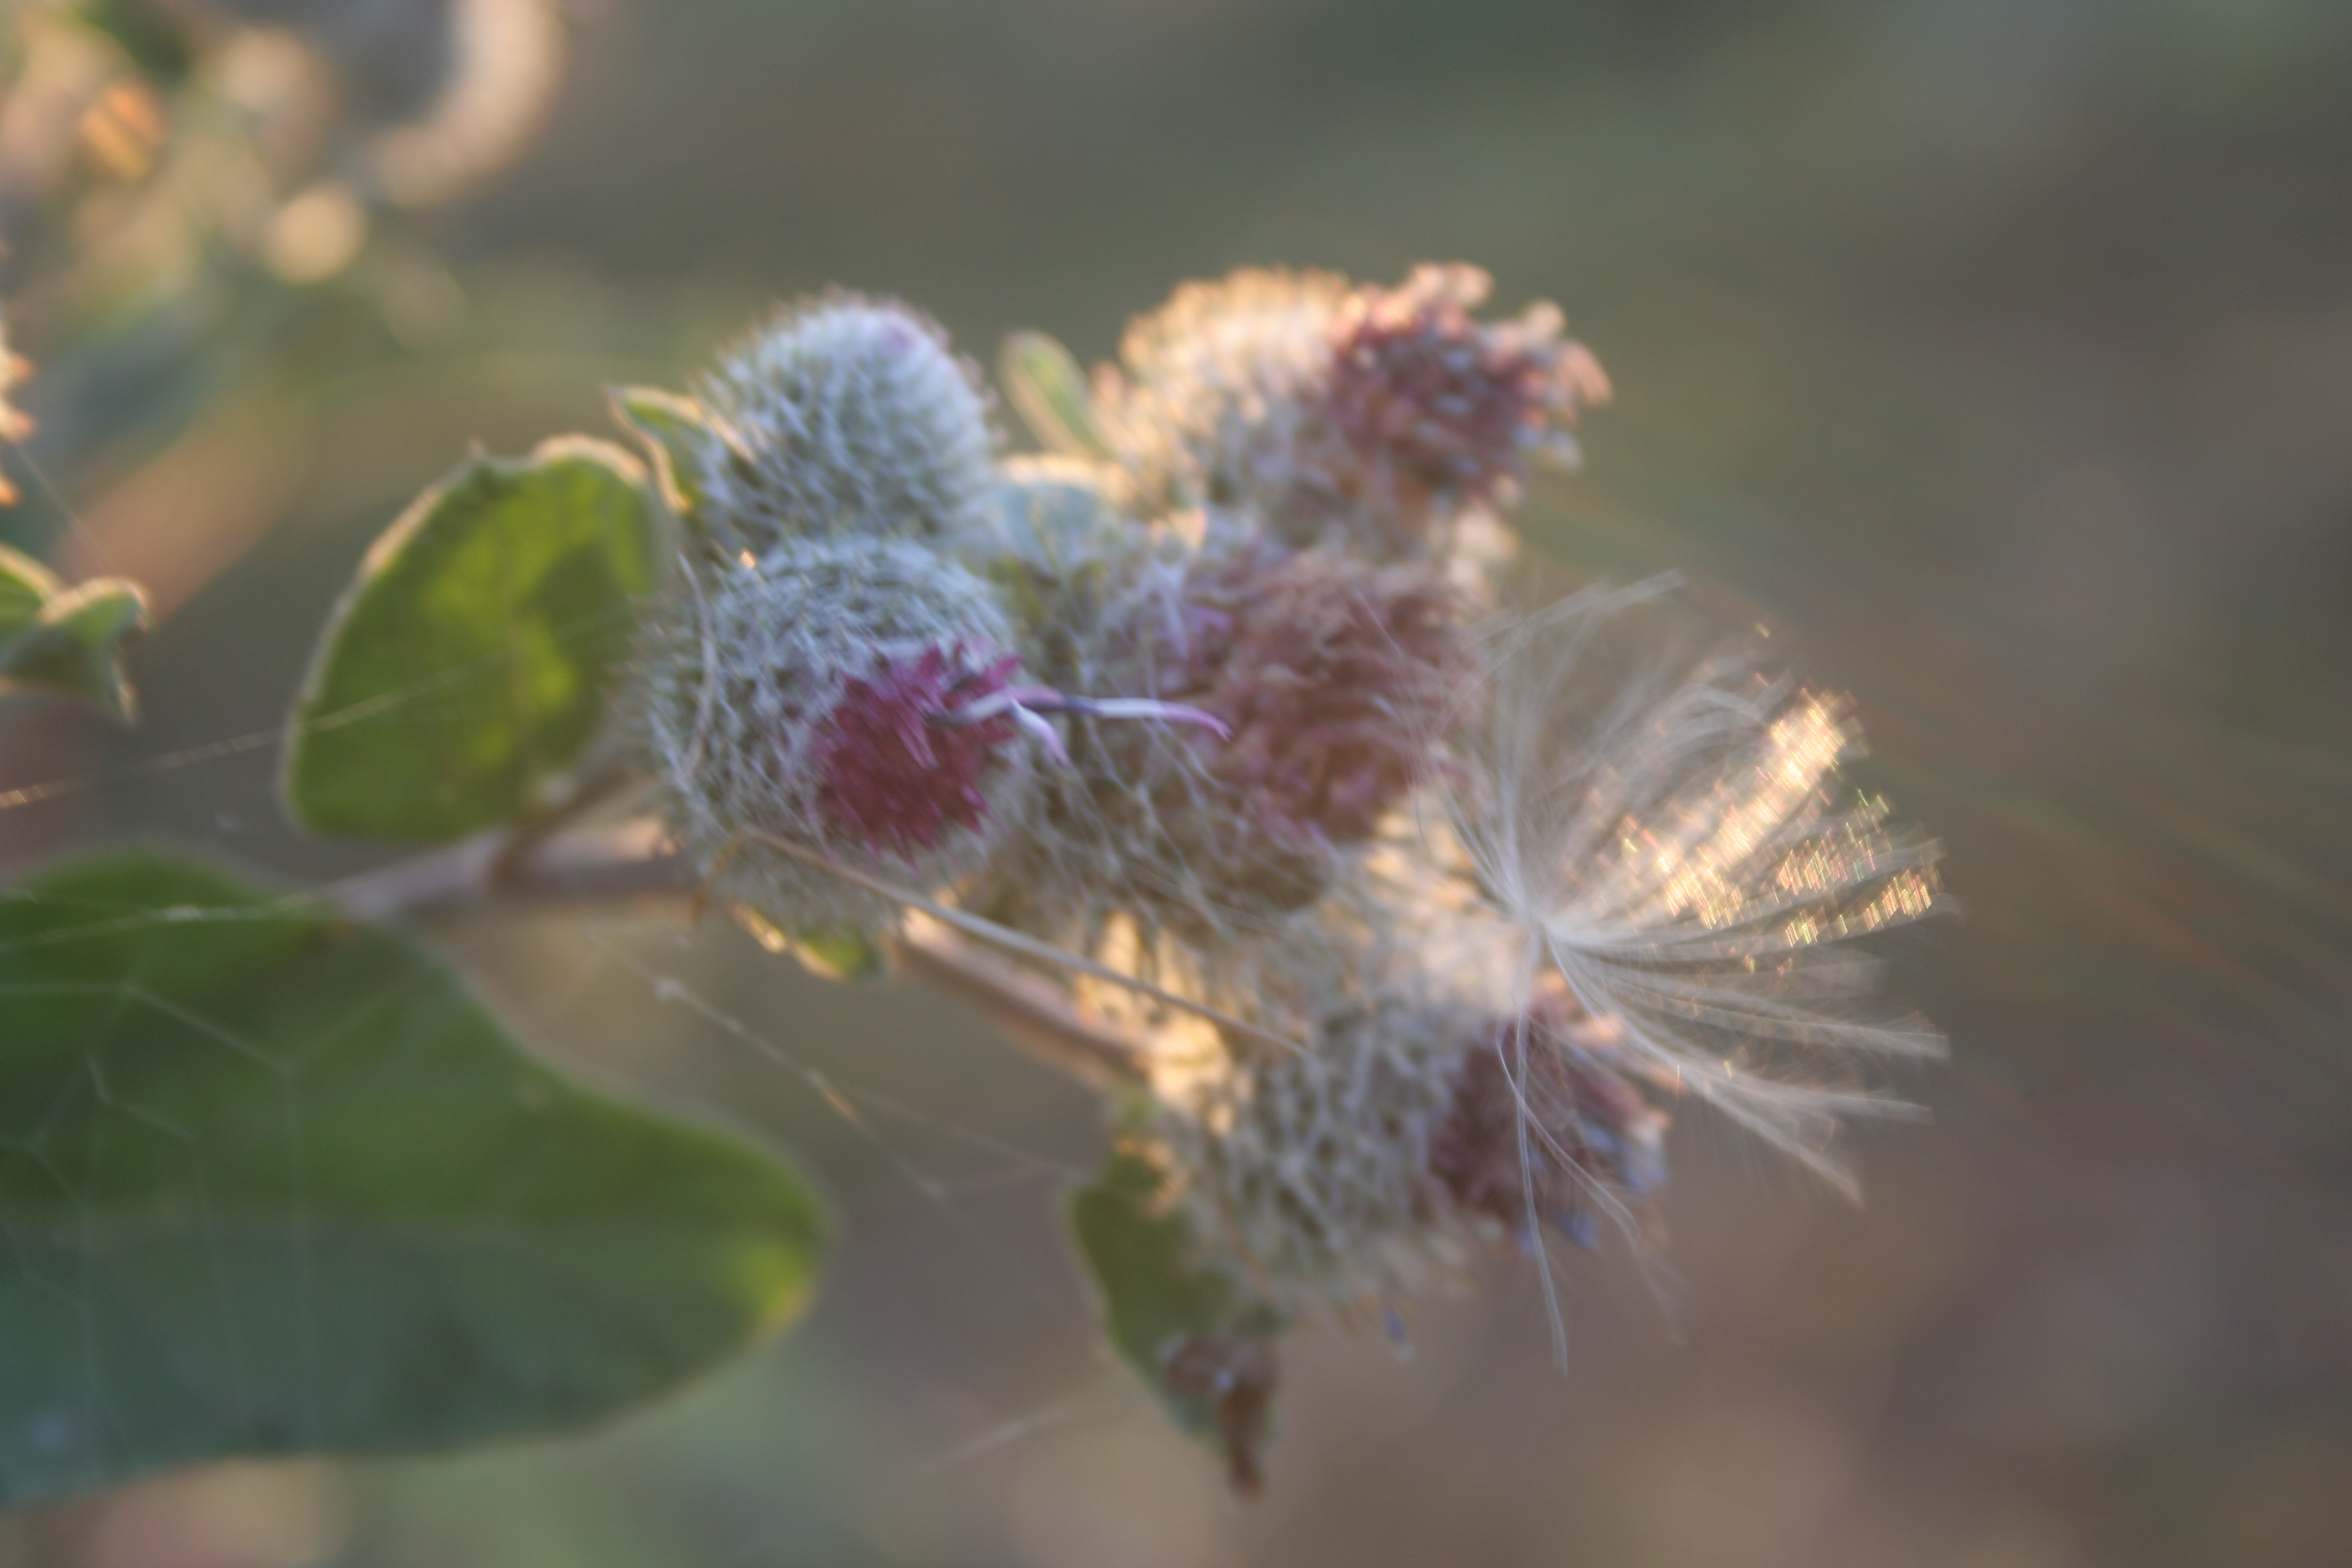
{"x": 843, "y": 415}
{"x": 848, "y": 698}
{"x": 1308, "y": 1172}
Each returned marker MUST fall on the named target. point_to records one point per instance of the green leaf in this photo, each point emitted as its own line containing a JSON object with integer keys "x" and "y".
{"x": 838, "y": 953}
{"x": 25, "y": 587}
{"x": 1048, "y": 385}
{"x": 272, "y": 1183}
{"x": 829, "y": 953}
{"x": 469, "y": 664}
{"x": 677, "y": 433}
{"x": 1051, "y": 540}
{"x": 68, "y": 639}
{"x": 148, "y": 40}
{"x": 1200, "y": 1343}
{"x": 1050, "y": 515}
{"x": 1144, "y": 1260}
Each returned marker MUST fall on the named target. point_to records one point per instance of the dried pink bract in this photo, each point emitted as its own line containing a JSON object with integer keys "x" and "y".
{"x": 1441, "y": 408}
{"x": 1371, "y": 417}
{"x": 1335, "y": 678}
{"x": 1543, "y": 1121}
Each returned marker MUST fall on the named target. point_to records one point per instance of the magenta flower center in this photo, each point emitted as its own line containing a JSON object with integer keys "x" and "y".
{"x": 900, "y": 760}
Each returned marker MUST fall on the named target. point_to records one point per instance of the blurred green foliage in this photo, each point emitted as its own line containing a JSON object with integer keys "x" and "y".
{"x": 67, "y": 640}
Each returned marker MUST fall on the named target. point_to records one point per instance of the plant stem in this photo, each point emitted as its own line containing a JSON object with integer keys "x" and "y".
{"x": 631, "y": 864}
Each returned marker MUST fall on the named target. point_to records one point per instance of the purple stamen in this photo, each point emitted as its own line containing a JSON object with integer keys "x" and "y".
{"x": 906, "y": 746}
{"x": 1043, "y": 734}
{"x": 1045, "y": 702}
{"x": 1025, "y": 703}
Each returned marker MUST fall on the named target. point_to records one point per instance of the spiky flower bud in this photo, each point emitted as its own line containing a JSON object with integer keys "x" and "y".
{"x": 1361, "y": 415}
{"x": 840, "y": 416}
{"x": 1442, "y": 411}
{"x": 1332, "y": 680}
{"x": 848, "y": 698}
{"x": 1335, "y": 677}
{"x": 1218, "y": 399}
{"x": 1405, "y": 1134}
{"x": 1308, "y": 1172}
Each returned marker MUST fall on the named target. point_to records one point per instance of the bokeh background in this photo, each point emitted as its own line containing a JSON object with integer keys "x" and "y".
{"x": 1996, "y": 355}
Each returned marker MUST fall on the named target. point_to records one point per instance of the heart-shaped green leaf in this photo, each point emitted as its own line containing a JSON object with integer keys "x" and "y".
{"x": 469, "y": 664}
{"x": 272, "y": 1183}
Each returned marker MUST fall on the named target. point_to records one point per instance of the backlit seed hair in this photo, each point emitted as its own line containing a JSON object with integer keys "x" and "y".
{"x": 1672, "y": 839}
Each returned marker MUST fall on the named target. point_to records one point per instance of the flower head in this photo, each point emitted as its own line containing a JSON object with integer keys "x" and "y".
{"x": 897, "y": 759}
{"x": 1444, "y": 411}
{"x": 825, "y": 699}
{"x": 1332, "y": 683}
{"x": 1371, "y": 417}
{"x": 1218, "y": 397}
{"x": 842, "y": 414}
{"x": 1306, "y": 1173}
{"x": 1337, "y": 679}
